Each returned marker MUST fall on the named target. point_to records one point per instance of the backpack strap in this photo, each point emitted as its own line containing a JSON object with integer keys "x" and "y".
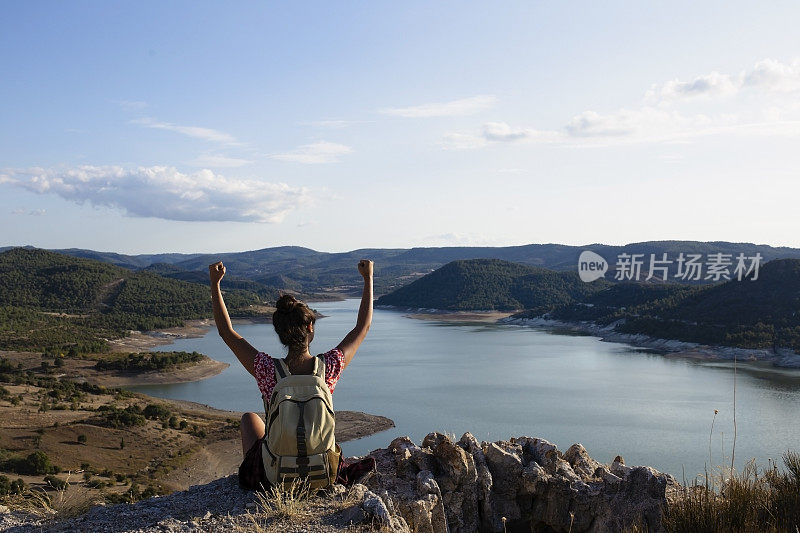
{"x": 281, "y": 369}
{"x": 319, "y": 366}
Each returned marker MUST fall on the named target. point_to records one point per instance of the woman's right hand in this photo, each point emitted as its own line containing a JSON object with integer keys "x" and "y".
{"x": 216, "y": 272}
{"x": 365, "y": 268}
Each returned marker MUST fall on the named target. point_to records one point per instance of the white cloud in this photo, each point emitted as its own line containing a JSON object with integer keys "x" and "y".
{"x": 761, "y": 101}
{"x": 454, "y": 108}
{"x": 29, "y": 212}
{"x": 708, "y": 85}
{"x": 502, "y": 132}
{"x": 463, "y": 141}
{"x": 496, "y": 132}
{"x": 197, "y": 132}
{"x": 774, "y": 75}
{"x": 164, "y": 192}
{"x": 766, "y": 76}
{"x": 218, "y": 161}
{"x": 315, "y": 153}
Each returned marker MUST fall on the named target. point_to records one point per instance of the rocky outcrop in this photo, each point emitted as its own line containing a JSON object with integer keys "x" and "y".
{"x": 523, "y": 484}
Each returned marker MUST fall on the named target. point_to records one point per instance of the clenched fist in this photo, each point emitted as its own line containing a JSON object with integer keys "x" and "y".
{"x": 216, "y": 271}
{"x": 365, "y": 268}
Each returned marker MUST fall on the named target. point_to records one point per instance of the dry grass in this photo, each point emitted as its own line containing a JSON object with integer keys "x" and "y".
{"x": 290, "y": 503}
{"x": 74, "y": 500}
{"x": 753, "y": 501}
{"x": 346, "y": 499}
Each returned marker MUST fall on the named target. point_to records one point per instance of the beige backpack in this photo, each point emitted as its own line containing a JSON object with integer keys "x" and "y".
{"x": 300, "y": 444}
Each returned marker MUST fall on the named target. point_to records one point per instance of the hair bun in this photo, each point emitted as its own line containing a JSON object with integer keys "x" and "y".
{"x": 286, "y": 303}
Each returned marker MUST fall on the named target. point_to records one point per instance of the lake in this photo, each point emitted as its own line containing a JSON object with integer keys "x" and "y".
{"x": 499, "y": 381}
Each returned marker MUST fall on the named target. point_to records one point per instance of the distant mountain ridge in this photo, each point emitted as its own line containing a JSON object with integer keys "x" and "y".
{"x": 307, "y": 270}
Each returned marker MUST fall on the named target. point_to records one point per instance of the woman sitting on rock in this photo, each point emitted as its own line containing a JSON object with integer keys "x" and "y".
{"x": 294, "y": 324}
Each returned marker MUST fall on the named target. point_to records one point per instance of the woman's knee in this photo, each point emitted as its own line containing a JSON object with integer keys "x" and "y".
{"x": 251, "y": 420}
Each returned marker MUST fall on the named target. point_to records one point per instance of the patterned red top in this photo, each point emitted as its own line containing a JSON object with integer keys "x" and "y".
{"x": 265, "y": 371}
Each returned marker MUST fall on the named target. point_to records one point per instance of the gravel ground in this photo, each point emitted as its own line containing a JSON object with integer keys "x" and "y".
{"x": 219, "y": 506}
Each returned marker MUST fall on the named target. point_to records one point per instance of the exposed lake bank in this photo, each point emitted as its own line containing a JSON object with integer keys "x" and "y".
{"x": 782, "y": 358}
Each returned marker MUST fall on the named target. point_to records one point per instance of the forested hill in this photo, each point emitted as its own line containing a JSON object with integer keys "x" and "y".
{"x": 761, "y": 313}
{"x": 764, "y": 313}
{"x": 305, "y": 270}
{"x": 51, "y": 300}
{"x": 491, "y": 284}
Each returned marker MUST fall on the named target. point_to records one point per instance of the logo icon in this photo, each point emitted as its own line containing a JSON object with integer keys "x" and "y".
{"x": 591, "y": 266}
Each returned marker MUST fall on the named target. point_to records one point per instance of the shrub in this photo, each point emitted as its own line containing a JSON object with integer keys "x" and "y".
{"x": 156, "y": 412}
{"x": 81, "y": 439}
{"x": 35, "y": 464}
{"x": 117, "y": 418}
{"x": 17, "y": 486}
{"x": 56, "y": 483}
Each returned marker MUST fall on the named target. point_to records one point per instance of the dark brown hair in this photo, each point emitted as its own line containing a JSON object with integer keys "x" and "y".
{"x": 291, "y": 319}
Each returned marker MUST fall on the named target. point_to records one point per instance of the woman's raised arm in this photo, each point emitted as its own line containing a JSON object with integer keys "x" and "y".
{"x": 244, "y": 352}
{"x": 353, "y": 340}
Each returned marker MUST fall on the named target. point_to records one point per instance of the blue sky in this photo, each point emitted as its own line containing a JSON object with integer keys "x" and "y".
{"x": 205, "y": 126}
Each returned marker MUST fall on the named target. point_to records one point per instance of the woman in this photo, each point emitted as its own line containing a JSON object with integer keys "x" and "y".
{"x": 294, "y": 324}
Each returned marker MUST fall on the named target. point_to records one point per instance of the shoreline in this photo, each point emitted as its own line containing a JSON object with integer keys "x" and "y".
{"x": 142, "y": 340}
{"x": 207, "y": 368}
{"x": 784, "y": 359}
{"x": 445, "y": 315}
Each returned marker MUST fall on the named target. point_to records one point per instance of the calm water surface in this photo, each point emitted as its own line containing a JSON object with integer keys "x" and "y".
{"x": 503, "y": 381}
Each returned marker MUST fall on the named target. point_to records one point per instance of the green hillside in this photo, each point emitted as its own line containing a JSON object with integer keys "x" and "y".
{"x": 51, "y": 301}
{"x": 491, "y": 284}
{"x": 764, "y": 313}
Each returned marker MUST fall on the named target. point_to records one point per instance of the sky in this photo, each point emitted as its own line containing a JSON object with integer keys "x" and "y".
{"x": 145, "y": 127}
